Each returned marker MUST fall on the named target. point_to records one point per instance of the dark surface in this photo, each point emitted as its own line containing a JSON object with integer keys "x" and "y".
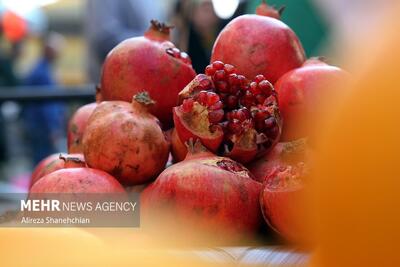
{"x": 41, "y": 93}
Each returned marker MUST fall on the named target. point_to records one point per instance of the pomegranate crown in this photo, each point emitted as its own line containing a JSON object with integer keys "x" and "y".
{"x": 144, "y": 99}
{"x": 270, "y": 11}
{"x": 158, "y": 31}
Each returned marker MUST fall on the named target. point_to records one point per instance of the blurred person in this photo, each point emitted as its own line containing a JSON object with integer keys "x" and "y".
{"x": 108, "y": 22}
{"x": 197, "y": 27}
{"x": 8, "y": 55}
{"x": 44, "y": 122}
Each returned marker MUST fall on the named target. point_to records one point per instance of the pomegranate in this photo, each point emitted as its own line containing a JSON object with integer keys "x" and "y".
{"x": 210, "y": 193}
{"x": 125, "y": 140}
{"x": 265, "y": 10}
{"x": 282, "y": 202}
{"x": 150, "y": 63}
{"x": 301, "y": 91}
{"x": 76, "y": 127}
{"x": 55, "y": 162}
{"x": 259, "y": 44}
{"x": 77, "y": 180}
{"x": 178, "y": 149}
{"x": 231, "y": 115}
{"x": 284, "y": 154}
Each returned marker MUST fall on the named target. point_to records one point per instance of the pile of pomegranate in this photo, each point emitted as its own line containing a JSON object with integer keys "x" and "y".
{"x": 223, "y": 152}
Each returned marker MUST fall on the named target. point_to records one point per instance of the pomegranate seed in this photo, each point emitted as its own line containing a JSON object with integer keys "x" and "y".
{"x": 246, "y": 112}
{"x": 233, "y": 79}
{"x": 210, "y": 70}
{"x": 205, "y": 83}
{"x": 260, "y": 126}
{"x": 259, "y": 78}
{"x": 265, "y": 87}
{"x": 234, "y": 90}
{"x": 216, "y": 106}
{"x": 254, "y": 88}
{"x": 271, "y": 100}
{"x": 270, "y": 122}
{"x": 219, "y": 75}
{"x": 187, "y": 105}
{"x": 215, "y": 116}
{"x": 239, "y": 115}
{"x": 247, "y": 100}
{"x": 202, "y": 97}
{"x": 229, "y": 68}
{"x": 260, "y": 99}
{"x": 231, "y": 102}
{"x": 212, "y": 98}
{"x": 235, "y": 127}
{"x": 223, "y": 97}
{"x": 242, "y": 80}
{"x": 218, "y": 65}
{"x": 222, "y": 86}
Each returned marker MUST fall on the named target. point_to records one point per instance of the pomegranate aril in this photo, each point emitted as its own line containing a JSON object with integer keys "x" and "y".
{"x": 204, "y": 82}
{"x": 215, "y": 116}
{"x": 229, "y": 68}
{"x": 242, "y": 79}
{"x": 202, "y": 98}
{"x": 235, "y": 127}
{"x": 247, "y": 100}
{"x": 222, "y": 86}
{"x": 216, "y": 106}
{"x": 260, "y": 99}
{"x": 265, "y": 87}
{"x": 254, "y": 88}
{"x": 212, "y": 98}
{"x": 271, "y": 100}
{"x": 187, "y": 105}
{"x": 233, "y": 79}
{"x": 219, "y": 75}
{"x": 231, "y": 102}
{"x": 270, "y": 122}
{"x": 210, "y": 70}
{"x": 234, "y": 90}
{"x": 259, "y": 78}
{"x": 218, "y": 65}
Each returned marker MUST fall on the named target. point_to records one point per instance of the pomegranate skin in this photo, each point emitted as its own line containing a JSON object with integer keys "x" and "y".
{"x": 56, "y": 162}
{"x": 142, "y": 63}
{"x": 299, "y": 93}
{"x": 77, "y": 126}
{"x": 281, "y": 209}
{"x": 259, "y": 45}
{"x": 126, "y": 141}
{"x": 77, "y": 180}
{"x": 199, "y": 193}
{"x": 295, "y": 153}
{"x": 178, "y": 149}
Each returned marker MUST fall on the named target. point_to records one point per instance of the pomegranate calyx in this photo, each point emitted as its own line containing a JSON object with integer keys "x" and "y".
{"x": 281, "y": 10}
{"x": 158, "y": 31}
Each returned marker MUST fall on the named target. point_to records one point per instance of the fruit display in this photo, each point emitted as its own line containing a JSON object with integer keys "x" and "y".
{"x": 220, "y": 152}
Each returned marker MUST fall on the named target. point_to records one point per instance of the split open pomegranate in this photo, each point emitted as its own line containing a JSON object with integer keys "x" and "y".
{"x": 231, "y": 115}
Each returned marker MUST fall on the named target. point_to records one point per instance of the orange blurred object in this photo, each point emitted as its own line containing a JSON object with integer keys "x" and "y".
{"x": 357, "y": 183}
{"x": 14, "y": 27}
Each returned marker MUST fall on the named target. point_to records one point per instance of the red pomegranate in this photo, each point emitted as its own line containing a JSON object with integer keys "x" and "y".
{"x": 149, "y": 63}
{"x": 76, "y": 127}
{"x": 282, "y": 203}
{"x": 300, "y": 92}
{"x": 295, "y": 153}
{"x": 231, "y": 115}
{"x": 125, "y": 140}
{"x": 205, "y": 193}
{"x": 55, "y": 162}
{"x": 259, "y": 44}
{"x": 77, "y": 180}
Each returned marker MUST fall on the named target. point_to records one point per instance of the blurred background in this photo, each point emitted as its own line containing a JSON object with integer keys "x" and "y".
{"x": 60, "y": 45}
